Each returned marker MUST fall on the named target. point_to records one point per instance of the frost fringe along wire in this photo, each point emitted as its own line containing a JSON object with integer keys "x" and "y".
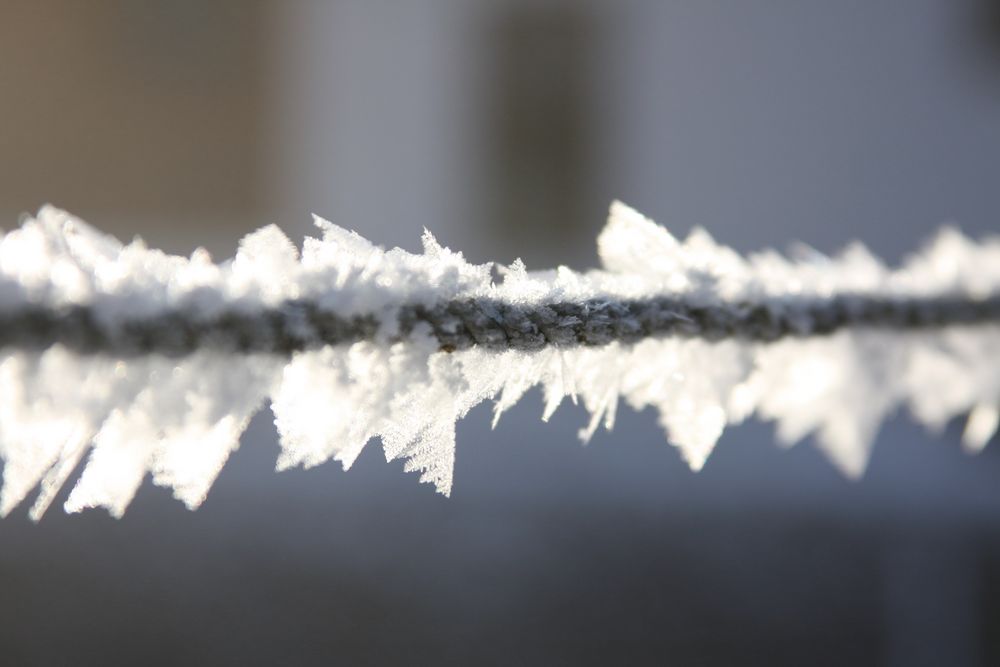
{"x": 154, "y": 363}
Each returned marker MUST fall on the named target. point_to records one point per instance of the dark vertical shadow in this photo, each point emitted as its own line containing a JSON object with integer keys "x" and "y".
{"x": 538, "y": 128}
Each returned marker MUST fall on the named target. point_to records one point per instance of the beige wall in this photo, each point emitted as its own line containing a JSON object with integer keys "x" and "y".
{"x": 139, "y": 116}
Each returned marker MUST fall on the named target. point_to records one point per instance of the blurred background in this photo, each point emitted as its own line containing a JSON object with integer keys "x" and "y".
{"x": 506, "y": 127}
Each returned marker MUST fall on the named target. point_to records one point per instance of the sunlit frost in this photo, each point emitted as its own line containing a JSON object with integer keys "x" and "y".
{"x": 177, "y": 420}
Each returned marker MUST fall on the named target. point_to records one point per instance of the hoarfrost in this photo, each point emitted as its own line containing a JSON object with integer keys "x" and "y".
{"x": 178, "y": 419}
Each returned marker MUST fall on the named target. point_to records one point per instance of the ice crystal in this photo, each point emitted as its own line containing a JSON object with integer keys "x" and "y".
{"x": 178, "y": 417}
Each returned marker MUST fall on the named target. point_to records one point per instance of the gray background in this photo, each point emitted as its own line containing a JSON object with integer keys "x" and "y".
{"x": 506, "y": 128}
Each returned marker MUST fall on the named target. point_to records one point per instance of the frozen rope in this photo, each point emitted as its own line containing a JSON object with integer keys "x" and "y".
{"x": 295, "y": 326}
{"x": 127, "y": 363}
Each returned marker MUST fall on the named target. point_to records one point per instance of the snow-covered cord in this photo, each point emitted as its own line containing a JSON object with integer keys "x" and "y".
{"x": 147, "y": 364}
{"x": 295, "y": 326}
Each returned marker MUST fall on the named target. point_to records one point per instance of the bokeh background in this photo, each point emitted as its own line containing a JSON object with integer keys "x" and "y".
{"x": 506, "y": 127}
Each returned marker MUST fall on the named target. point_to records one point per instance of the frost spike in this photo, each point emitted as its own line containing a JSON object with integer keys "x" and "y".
{"x": 139, "y": 362}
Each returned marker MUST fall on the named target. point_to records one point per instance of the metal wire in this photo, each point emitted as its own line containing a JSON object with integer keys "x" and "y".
{"x": 300, "y": 325}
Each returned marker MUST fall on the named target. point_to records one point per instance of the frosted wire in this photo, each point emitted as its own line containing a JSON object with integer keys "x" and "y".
{"x": 177, "y": 419}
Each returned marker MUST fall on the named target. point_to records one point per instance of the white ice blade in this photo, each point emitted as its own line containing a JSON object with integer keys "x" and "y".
{"x": 177, "y": 417}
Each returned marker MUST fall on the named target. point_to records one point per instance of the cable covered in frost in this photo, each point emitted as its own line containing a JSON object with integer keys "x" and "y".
{"x": 154, "y": 363}
{"x": 295, "y": 326}
{"x": 158, "y": 304}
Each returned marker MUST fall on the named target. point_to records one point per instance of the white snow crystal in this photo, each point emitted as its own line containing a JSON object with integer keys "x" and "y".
{"x": 178, "y": 419}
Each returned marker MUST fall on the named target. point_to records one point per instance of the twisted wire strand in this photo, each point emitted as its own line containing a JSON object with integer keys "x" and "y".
{"x": 300, "y": 325}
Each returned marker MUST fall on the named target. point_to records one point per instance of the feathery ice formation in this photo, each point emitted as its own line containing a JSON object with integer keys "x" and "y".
{"x": 150, "y": 363}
